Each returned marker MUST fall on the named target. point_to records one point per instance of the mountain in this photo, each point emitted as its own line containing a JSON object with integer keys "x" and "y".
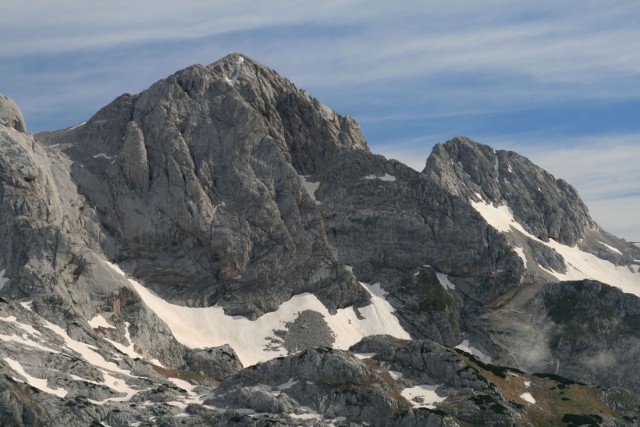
{"x": 224, "y": 249}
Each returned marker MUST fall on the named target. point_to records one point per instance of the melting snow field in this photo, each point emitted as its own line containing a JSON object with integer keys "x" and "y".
{"x": 100, "y": 322}
{"x": 611, "y": 248}
{"x": 465, "y": 346}
{"x": 385, "y": 177}
{"x": 526, "y": 396}
{"x": 422, "y": 396}
{"x": 580, "y": 264}
{"x": 94, "y": 358}
{"x": 523, "y": 257}
{"x": 310, "y": 187}
{"x": 29, "y": 337}
{"x": 210, "y": 327}
{"x": 39, "y": 383}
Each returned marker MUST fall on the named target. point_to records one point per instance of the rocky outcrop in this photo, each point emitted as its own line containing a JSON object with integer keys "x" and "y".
{"x": 10, "y": 114}
{"x": 217, "y": 362}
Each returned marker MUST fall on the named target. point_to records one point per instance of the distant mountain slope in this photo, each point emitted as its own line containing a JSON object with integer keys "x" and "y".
{"x": 224, "y": 217}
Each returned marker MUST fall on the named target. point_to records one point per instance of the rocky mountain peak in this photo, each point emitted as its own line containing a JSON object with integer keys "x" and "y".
{"x": 207, "y": 165}
{"x": 549, "y": 208}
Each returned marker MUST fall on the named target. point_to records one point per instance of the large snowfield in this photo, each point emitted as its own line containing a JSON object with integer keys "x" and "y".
{"x": 210, "y": 327}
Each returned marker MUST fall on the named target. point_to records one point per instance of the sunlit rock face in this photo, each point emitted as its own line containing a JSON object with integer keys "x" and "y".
{"x": 10, "y": 114}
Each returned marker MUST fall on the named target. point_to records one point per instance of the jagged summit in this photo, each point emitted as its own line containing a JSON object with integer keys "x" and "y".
{"x": 223, "y": 218}
{"x": 199, "y": 162}
{"x": 548, "y": 208}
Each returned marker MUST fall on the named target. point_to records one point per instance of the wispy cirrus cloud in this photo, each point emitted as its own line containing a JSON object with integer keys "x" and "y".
{"x": 509, "y": 73}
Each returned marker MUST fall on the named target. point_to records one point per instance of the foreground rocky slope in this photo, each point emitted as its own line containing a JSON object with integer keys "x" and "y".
{"x": 251, "y": 211}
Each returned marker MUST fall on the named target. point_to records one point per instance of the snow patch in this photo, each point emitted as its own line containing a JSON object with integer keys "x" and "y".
{"x": 309, "y": 414}
{"x": 376, "y": 289}
{"x": 39, "y": 383}
{"x": 500, "y": 217}
{"x": 310, "y": 187}
{"x": 210, "y": 327}
{"x": 363, "y": 356}
{"x": 444, "y": 281}
{"x": 527, "y": 397}
{"x": 192, "y": 396}
{"x": 395, "y": 375}
{"x": 129, "y": 350}
{"x": 385, "y": 177}
{"x": 465, "y": 346}
{"x": 520, "y": 252}
{"x": 580, "y": 264}
{"x": 583, "y": 265}
{"x": 27, "y": 305}
{"x": 288, "y": 384}
{"x": 611, "y": 248}
{"x": 422, "y": 396}
{"x": 236, "y": 73}
{"x": 77, "y": 126}
{"x": 100, "y": 322}
{"x": 3, "y": 280}
{"x": 25, "y": 340}
{"x": 85, "y": 350}
{"x": 94, "y": 358}
{"x": 102, "y": 155}
{"x": 27, "y": 328}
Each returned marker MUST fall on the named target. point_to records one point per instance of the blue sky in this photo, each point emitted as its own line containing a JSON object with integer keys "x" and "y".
{"x": 559, "y": 82}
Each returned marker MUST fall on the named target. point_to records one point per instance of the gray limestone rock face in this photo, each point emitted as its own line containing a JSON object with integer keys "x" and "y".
{"x": 549, "y": 208}
{"x": 196, "y": 184}
{"x": 10, "y": 114}
{"x": 328, "y": 382}
{"x": 217, "y": 362}
{"x": 421, "y": 362}
{"x": 427, "y": 308}
{"x": 135, "y": 166}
